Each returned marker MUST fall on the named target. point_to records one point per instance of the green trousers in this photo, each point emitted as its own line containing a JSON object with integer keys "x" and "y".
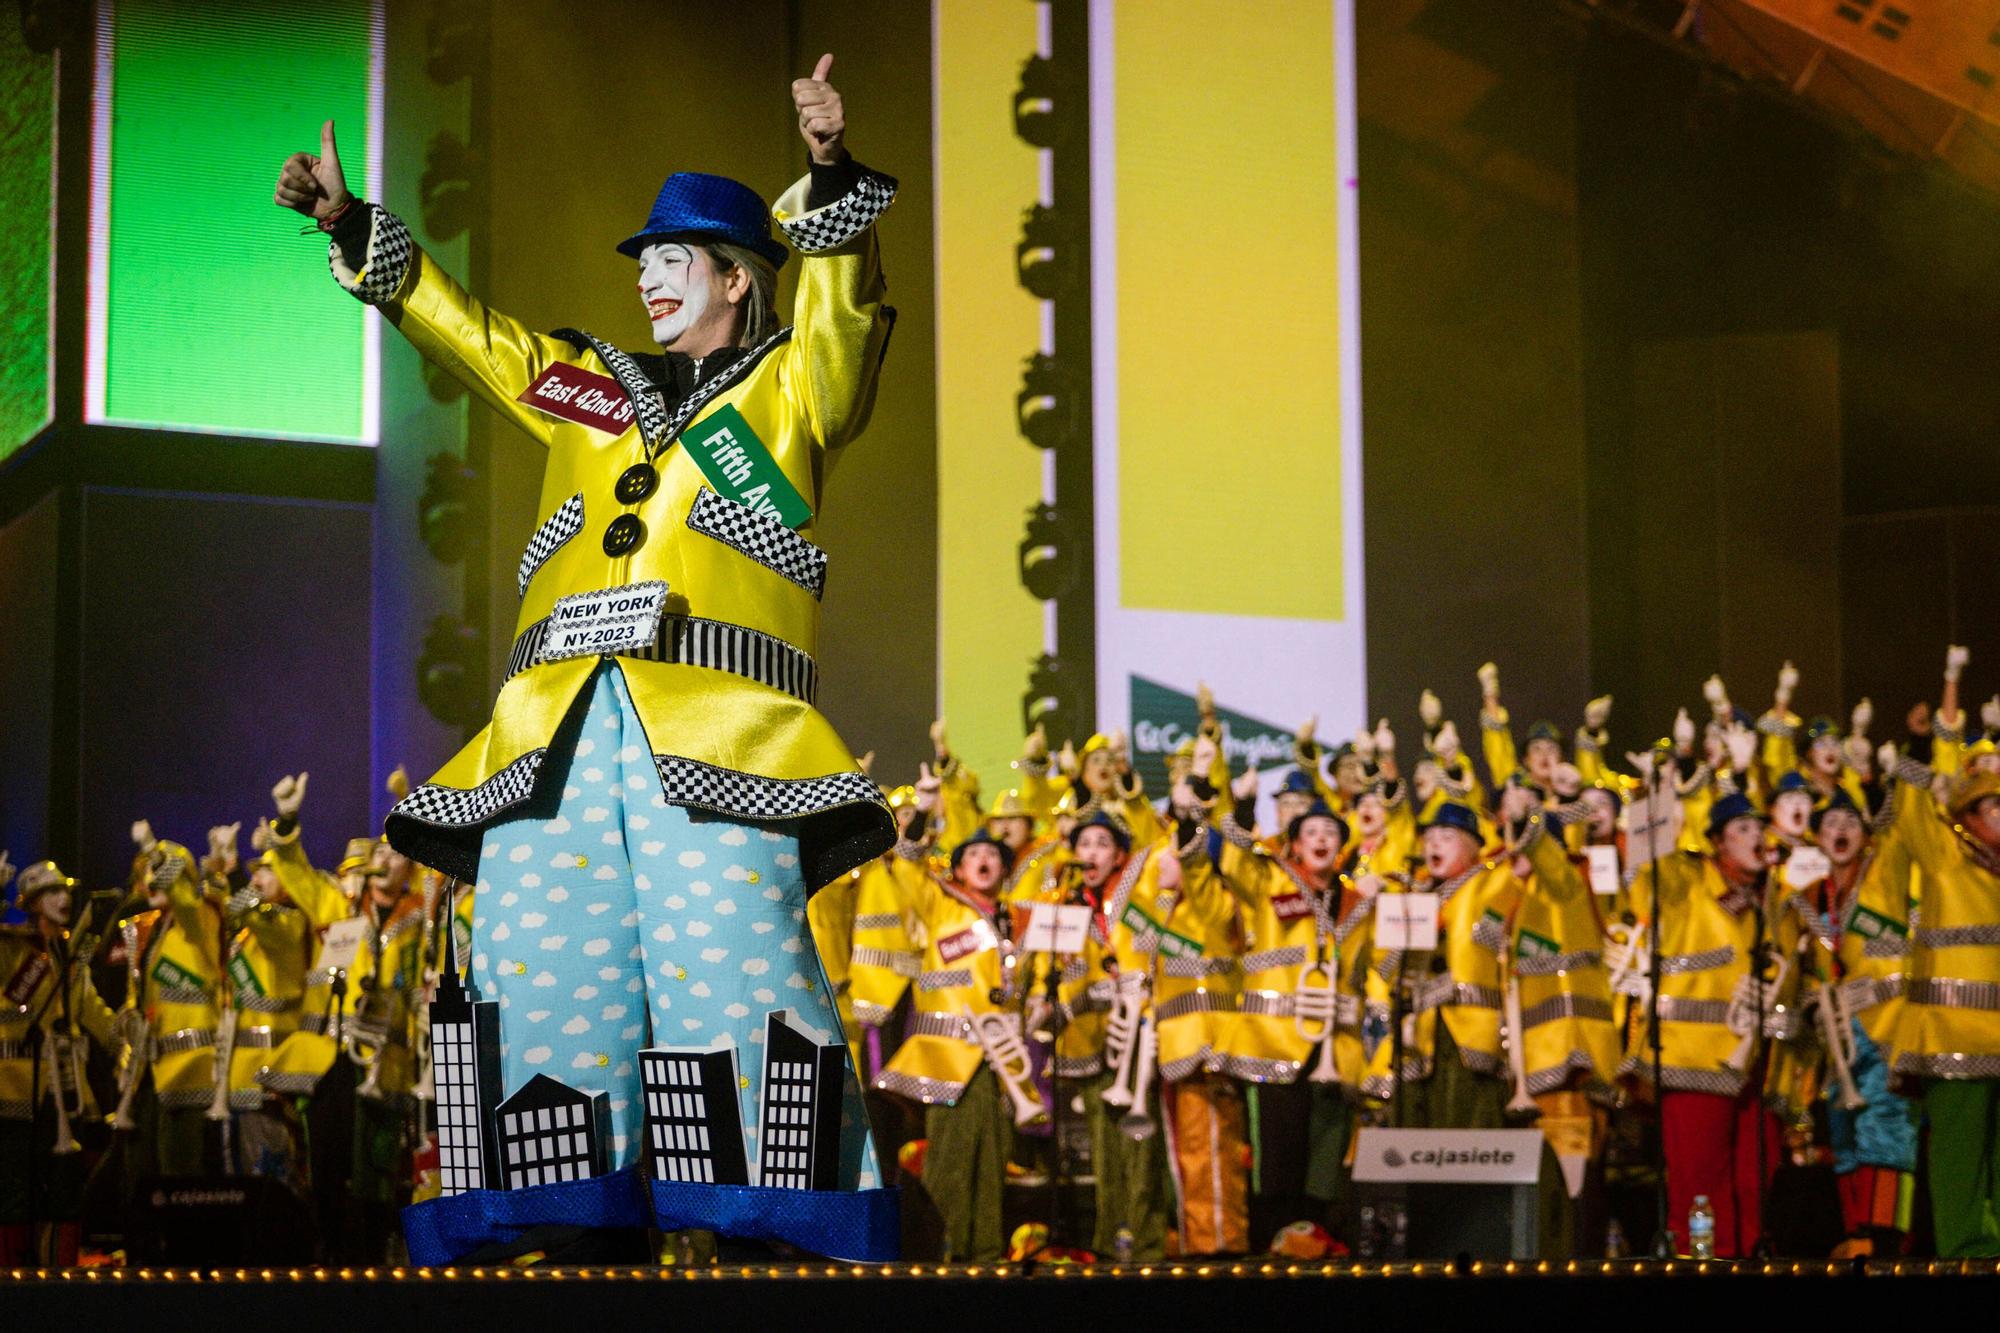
{"x": 965, "y": 1167}
{"x": 1964, "y": 1115}
{"x": 1134, "y": 1188}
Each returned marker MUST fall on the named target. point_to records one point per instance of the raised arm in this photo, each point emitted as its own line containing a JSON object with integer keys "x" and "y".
{"x": 374, "y": 258}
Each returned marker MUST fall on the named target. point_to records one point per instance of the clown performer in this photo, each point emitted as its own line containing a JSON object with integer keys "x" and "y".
{"x": 50, "y": 1015}
{"x": 657, "y": 795}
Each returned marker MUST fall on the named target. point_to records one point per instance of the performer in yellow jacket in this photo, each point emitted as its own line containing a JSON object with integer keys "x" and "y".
{"x": 662, "y": 680}
{"x": 1728, "y": 990}
{"x": 49, "y": 1014}
{"x": 1947, "y": 1038}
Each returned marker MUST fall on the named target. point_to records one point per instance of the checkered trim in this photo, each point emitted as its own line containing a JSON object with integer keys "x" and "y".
{"x": 695, "y": 641}
{"x": 929, "y": 1091}
{"x": 181, "y": 995}
{"x": 1958, "y": 937}
{"x": 1557, "y": 1075}
{"x": 878, "y": 921}
{"x": 1194, "y": 1002}
{"x": 1674, "y": 964}
{"x": 549, "y": 538}
{"x": 760, "y": 537}
{"x": 15, "y": 1110}
{"x": 1558, "y": 1007}
{"x": 287, "y": 1084}
{"x": 1949, "y": 1064}
{"x": 944, "y": 978}
{"x": 387, "y": 263}
{"x": 1776, "y": 724}
{"x": 1256, "y": 1069}
{"x": 1203, "y": 1060}
{"x": 1188, "y": 966}
{"x": 1885, "y": 946}
{"x": 871, "y": 1014}
{"x": 1077, "y": 1066}
{"x": 186, "y": 1099}
{"x": 251, "y": 1002}
{"x": 690, "y": 782}
{"x": 1490, "y": 933}
{"x": 1550, "y": 964}
{"x": 183, "y": 1040}
{"x": 841, "y": 221}
{"x": 1292, "y": 955}
{"x": 451, "y": 807}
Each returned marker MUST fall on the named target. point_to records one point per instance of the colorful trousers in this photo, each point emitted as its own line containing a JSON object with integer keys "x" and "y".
{"x": 624, "y": 922}
{"x": 1964, "y": 1115}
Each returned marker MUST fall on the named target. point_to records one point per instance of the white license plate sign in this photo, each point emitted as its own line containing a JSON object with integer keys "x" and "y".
{"x": 607, "y": 622}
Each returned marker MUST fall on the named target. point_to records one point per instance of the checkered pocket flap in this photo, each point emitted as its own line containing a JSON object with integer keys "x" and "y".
{"x": 761, "y": 538}
{"x": 549, "y": 538}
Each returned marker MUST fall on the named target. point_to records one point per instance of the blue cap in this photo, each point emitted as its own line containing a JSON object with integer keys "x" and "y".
{"x": 1458, "y": 815}
{"x": 1791, "y": 781}
{"x": 1298, "y": 782}
{"x": 983, "y": 837}
{"x": 700, "y": 207}
{"x": 1106, "y": 821}
{"x": 1840, "y": 800}
{"x": 1735, "y": 805}
{"x": 1544, "y": 731}
{"x": 1318, "y": 810}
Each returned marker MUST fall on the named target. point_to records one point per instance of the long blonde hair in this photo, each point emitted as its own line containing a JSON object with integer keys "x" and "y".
{"x": 760, "y": 305}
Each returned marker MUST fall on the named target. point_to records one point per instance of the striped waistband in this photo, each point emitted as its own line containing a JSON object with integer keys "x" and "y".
{"x": 1194, "y": 1002}
{"x": 1957, "y": 937}
{"x": 1565, "y": 1006}
{"x": 1682, "y": 1009}
{"x": 895, "y": 960}
{"x": 945, "y": 978}
{"x": 1441, "y": 991}
{"x": 265, "y": 1004}
{"x": 1954, "y": 993}
{"x": 925, "y": 1023}
{"x": 183, "y": 1039}
{"x": 1675, "y": 963}
{"x": 1549, "y": 964}
{"x": 694, "y": 641}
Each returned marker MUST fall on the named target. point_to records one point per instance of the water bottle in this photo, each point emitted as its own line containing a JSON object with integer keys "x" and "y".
{"x": 1701, "y": 1229}
{"x": 1121, "y": 1245}
{"x": 1615, "y": 1245}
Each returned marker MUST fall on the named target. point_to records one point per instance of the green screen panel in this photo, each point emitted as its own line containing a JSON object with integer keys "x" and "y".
{"x": 27, "y": 184}
{"x": 209, "y": 310}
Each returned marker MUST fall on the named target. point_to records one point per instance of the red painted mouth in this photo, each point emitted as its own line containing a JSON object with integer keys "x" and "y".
{"x": 662, "y": 308}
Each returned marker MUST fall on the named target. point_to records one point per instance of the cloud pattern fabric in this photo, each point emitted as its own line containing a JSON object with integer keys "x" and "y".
{"x": 625, "y": 922}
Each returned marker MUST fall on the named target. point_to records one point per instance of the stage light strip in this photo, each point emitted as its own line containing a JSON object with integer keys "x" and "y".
{"x": 989, "y": 628}
{"x": 1226, "y": 359}
{"x": 206, "y": 313}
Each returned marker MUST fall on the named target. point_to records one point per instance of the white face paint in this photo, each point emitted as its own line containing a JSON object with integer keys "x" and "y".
{"x": 676, "y": 286}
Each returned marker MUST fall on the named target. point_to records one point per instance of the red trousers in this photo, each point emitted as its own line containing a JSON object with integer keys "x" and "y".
{"x": 1711, "y": 1145}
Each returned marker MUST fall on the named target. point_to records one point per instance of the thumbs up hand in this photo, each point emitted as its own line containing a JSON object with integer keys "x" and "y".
{"x": 314, "y": 186}
{"x": 822, "y": 119}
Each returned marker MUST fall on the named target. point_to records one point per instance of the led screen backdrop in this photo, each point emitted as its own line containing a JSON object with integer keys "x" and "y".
{"x": 1225, "y": 370}
{"x": 208, "y": 310}
{"x": 27, "y": 238}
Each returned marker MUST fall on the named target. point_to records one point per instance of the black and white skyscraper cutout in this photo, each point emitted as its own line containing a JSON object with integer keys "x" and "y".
{"x": 798, "y": 1143}
{"x": 550, "y": 1132}
{"x": 465, "y": 1069}
{"x": 694, "y": 1125}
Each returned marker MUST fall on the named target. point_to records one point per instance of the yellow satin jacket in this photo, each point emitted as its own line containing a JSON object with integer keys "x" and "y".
{"x": 267, "y": 972}
{"x": 311, "y": 1048}
{"x": 962, "y": 972}
{"x": 1569, "y": 1034}
{"x": 178, "y": 954}
{"x": 726, "y": 690}
{"x": 32, "y": 972}
{"x": 1950, "y": 1022}
{"x": 1288, "y": 927}
{"x": 1705, "y": 950}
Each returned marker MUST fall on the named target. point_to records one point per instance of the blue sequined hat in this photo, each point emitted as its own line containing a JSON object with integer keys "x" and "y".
{"x": 1455, "y": 814}
{"x": 1735, "y": 805}
{"x": 1298, "y": 783}
{"x": 1319, "y": 810}
{"x": 712, "y": 208}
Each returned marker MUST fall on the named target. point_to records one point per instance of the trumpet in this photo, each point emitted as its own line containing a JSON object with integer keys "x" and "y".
{"x": 1750, "y": 1025}
{"x": 365, "y": 1041}
{"x": 1121, "y": 1035}
{"x": 65, "y": 1083}
{"x": 999, "y": 1037}
{"x": 225, "y": 1055}
{"x": 1522, "y": 1102}
{"x": 137, "y": 1036}
{"x": 1137, "y": 1124}
{"x": 1313, "y": 1014}
{"x": 1627, "y": 958}
{"x": 1836, "y": 1025}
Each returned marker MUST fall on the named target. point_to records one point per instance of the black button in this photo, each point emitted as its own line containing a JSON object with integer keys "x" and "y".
{"x": 637, "y": 482}
{"x": 623, "y": 533}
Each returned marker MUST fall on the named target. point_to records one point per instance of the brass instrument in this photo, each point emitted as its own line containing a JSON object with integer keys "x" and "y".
{"x": 1138, "y": 1124}
{"x": 1121, "y": 1038}
{"x": 366, "y": 1040}
{"x": 999, "y": 1037}
{"x": 1836, "y": 1026}
{"x": 65, "y": 1083}
{"x": 1751, "y": 1025}
{"x": 1313, "y": 1012}
{"x": 1522, "y": 1102}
